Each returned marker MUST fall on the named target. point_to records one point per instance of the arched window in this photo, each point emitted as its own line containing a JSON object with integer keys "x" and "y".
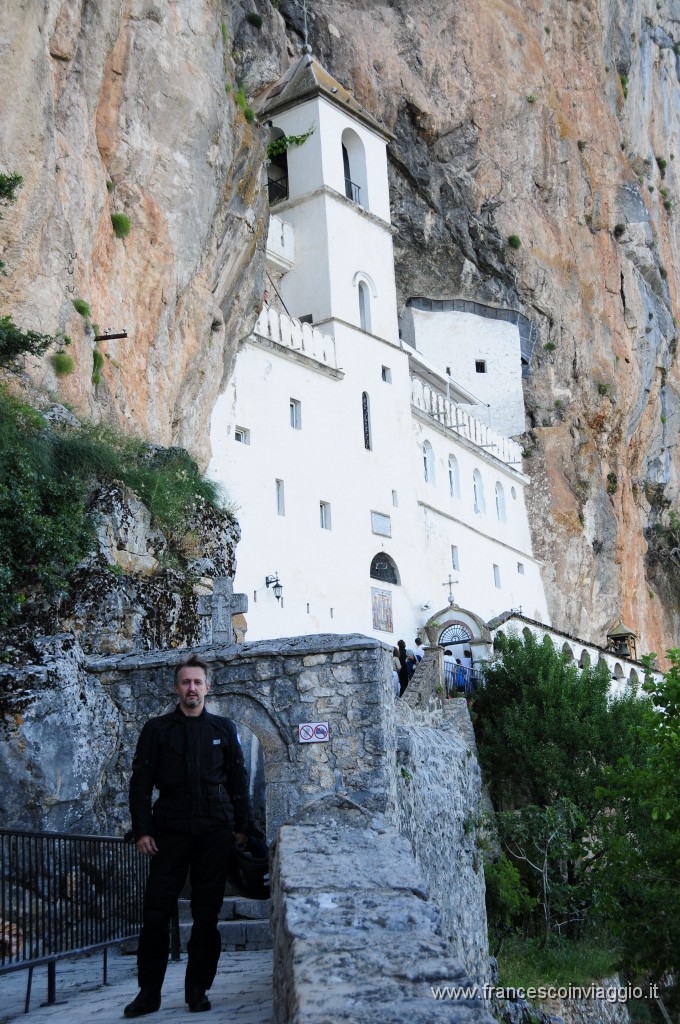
{"x": 454, "y": 477}
{"x": 567, "y": 652}
{"x": 354, "y": 167}
{"x": 500, "y": 502}
{"x": 458, "y": 633}
{"x": 478, "y": 492}
{"x": 584, "y": 660}
{"x": 277, "y": 171}
{"x": 618, "y": 672}
{"x": 384, "y": 568}
{"x": 366, "y": 413}
{"x": 364, "y": 307}
{"x": 428, "y": 463}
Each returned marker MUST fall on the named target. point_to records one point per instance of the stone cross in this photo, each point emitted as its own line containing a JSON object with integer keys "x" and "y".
{"x": 217, "y": 609}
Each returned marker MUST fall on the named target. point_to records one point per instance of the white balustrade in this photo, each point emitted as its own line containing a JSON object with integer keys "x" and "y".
{"x": 458, "y": 419}
{"x": 290, "y": 333}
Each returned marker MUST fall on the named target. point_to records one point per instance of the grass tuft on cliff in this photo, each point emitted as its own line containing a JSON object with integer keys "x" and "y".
{"x": 45, "y": 475}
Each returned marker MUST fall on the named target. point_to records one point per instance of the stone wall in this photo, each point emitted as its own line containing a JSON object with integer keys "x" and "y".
{"x": 439, "y": 794}
{"x": 355, "y": 936}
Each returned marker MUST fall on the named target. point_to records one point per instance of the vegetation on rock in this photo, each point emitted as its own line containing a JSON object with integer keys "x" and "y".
{"x": 120, "y": 223}
{"x": 46, "y": 473}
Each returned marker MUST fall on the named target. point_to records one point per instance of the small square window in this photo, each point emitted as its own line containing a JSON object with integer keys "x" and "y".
{"x": 454, "y": 557}
{"x": 387, "y": 374}
{"x": 242, "y": 435}
{"x": 395, "y": 499}
{"x": 520, "y": 568}
{"x": 325, "y": 515}
{"x": 497, "y": 577}
{"x": 381, "y": 524}
{"x": 480, "y": 366}
{"x": 295, "y": 414}
{"x": 280, "y": 498}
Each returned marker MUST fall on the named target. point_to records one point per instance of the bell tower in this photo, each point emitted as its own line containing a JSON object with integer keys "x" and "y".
{"x": 329, "y": 181}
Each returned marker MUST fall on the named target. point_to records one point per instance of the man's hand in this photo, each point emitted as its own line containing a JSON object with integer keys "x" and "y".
{"x": 241, "y": 840}
{"x": 147, "y": 845}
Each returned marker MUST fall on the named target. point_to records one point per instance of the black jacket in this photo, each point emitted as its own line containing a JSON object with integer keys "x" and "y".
{"x": 196, "y": 764}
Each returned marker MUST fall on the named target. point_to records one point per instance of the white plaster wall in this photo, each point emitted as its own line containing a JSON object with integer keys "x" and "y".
{"x": 325, "y": 460}
{"x": 370, "y": 253}
{"x": 458, "y": 340}
{"x": 481, "y": 538}
{"x": 307, "y": 287}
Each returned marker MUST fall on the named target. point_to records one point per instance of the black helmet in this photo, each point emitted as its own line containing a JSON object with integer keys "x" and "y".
{"x": 249, "y": 869}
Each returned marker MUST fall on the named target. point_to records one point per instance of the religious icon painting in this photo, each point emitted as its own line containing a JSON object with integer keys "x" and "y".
{"x": 381, "y": 601}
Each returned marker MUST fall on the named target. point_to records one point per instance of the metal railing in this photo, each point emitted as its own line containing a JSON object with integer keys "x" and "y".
{"x": 353, "y": 191}
{"x": 460, "y": 679}
{"x": 277, "y": 190}
{"x": 62, "y": 895}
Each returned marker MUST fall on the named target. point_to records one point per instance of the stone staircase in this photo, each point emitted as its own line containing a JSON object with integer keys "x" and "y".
{"x": 243, "y": 924}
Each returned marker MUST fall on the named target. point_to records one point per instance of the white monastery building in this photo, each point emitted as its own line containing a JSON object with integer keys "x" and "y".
{"x": 374, "y": 471}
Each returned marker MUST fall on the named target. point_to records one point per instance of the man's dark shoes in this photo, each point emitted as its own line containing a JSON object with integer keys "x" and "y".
{"x": 147, "y": 1000}
{"x": 197, "y": 1000}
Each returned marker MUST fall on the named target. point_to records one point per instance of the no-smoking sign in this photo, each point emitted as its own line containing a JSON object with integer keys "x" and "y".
{"x": 313, "y": 732}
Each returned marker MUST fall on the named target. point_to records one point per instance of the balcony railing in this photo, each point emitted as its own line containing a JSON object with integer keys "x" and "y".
{"x": 277, "y": 189}
{"x": 452, "y": 416}
{"x": 353, "y": 191}
{"x": 291, "y": 333}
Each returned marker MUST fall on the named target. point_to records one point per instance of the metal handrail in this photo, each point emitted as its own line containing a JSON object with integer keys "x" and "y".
{"x": 277, "y": 190}
{"x": 353, "y": 191}
{"x": 62, "y": 895}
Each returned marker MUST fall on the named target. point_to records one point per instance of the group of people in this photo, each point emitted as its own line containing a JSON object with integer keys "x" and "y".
{"x": 404, "y": 662}
{"x": 457, "y": 672}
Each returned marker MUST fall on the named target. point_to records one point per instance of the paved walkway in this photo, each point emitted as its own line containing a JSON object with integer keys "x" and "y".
{"x": 241, "y": 993}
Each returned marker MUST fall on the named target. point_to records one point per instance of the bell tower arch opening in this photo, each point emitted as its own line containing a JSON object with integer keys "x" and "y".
{"x": 354, "y": 167}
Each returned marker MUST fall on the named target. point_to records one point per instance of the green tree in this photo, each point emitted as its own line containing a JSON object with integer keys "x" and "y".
{"x": 15, "y": 344}
{"x": 548, "y": 736}
{"x": 640, "y": 869}
{"x": 546, "y": 729}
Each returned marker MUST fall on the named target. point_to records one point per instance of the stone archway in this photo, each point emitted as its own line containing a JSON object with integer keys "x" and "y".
{"x": 246, "y": 710}
{"x": 458, "y": 629}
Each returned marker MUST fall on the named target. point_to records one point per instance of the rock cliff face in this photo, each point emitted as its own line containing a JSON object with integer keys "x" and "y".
{"x": 556, "y": 123}
{"x": 121, "y": 107}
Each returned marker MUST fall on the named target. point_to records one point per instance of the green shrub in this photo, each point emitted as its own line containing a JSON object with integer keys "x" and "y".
{"x": 110, "y": 186}
{"x": 15, "y": 343}
{"x": 254, "y": 19}
{"x": 9, "y": 183}
{"x": 550, "y": 346}
{"x": 667, "y": 205}
{"x": 97, "y": 366}
{"x": 527, "y": 963}
{"x": 514, "y": 241}
{"x": 662, "y": 164}
{"x": 531, "y": 98}
{"x": 624, "y": 85}
{"x": 63, "y": 363}
{"x": 602, "y": 388}
{"x": 45, "y": 529}
{"x": 82, "y": 307}
{"x": 612, "y": 483}
{"x": 225, "y": 35}
{"x": 120, "y": 224}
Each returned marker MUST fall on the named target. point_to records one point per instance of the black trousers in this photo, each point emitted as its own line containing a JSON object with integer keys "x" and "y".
{"x": 205, "y": 857}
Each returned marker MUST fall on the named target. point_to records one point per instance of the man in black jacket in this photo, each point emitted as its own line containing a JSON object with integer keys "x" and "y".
{"x": 194, "y": 760}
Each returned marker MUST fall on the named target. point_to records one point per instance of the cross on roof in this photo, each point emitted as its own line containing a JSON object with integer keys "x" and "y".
{"x": 217, "y": 610}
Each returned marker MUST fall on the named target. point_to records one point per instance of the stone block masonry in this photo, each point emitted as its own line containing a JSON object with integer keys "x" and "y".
{"x": 356, "y": 938}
